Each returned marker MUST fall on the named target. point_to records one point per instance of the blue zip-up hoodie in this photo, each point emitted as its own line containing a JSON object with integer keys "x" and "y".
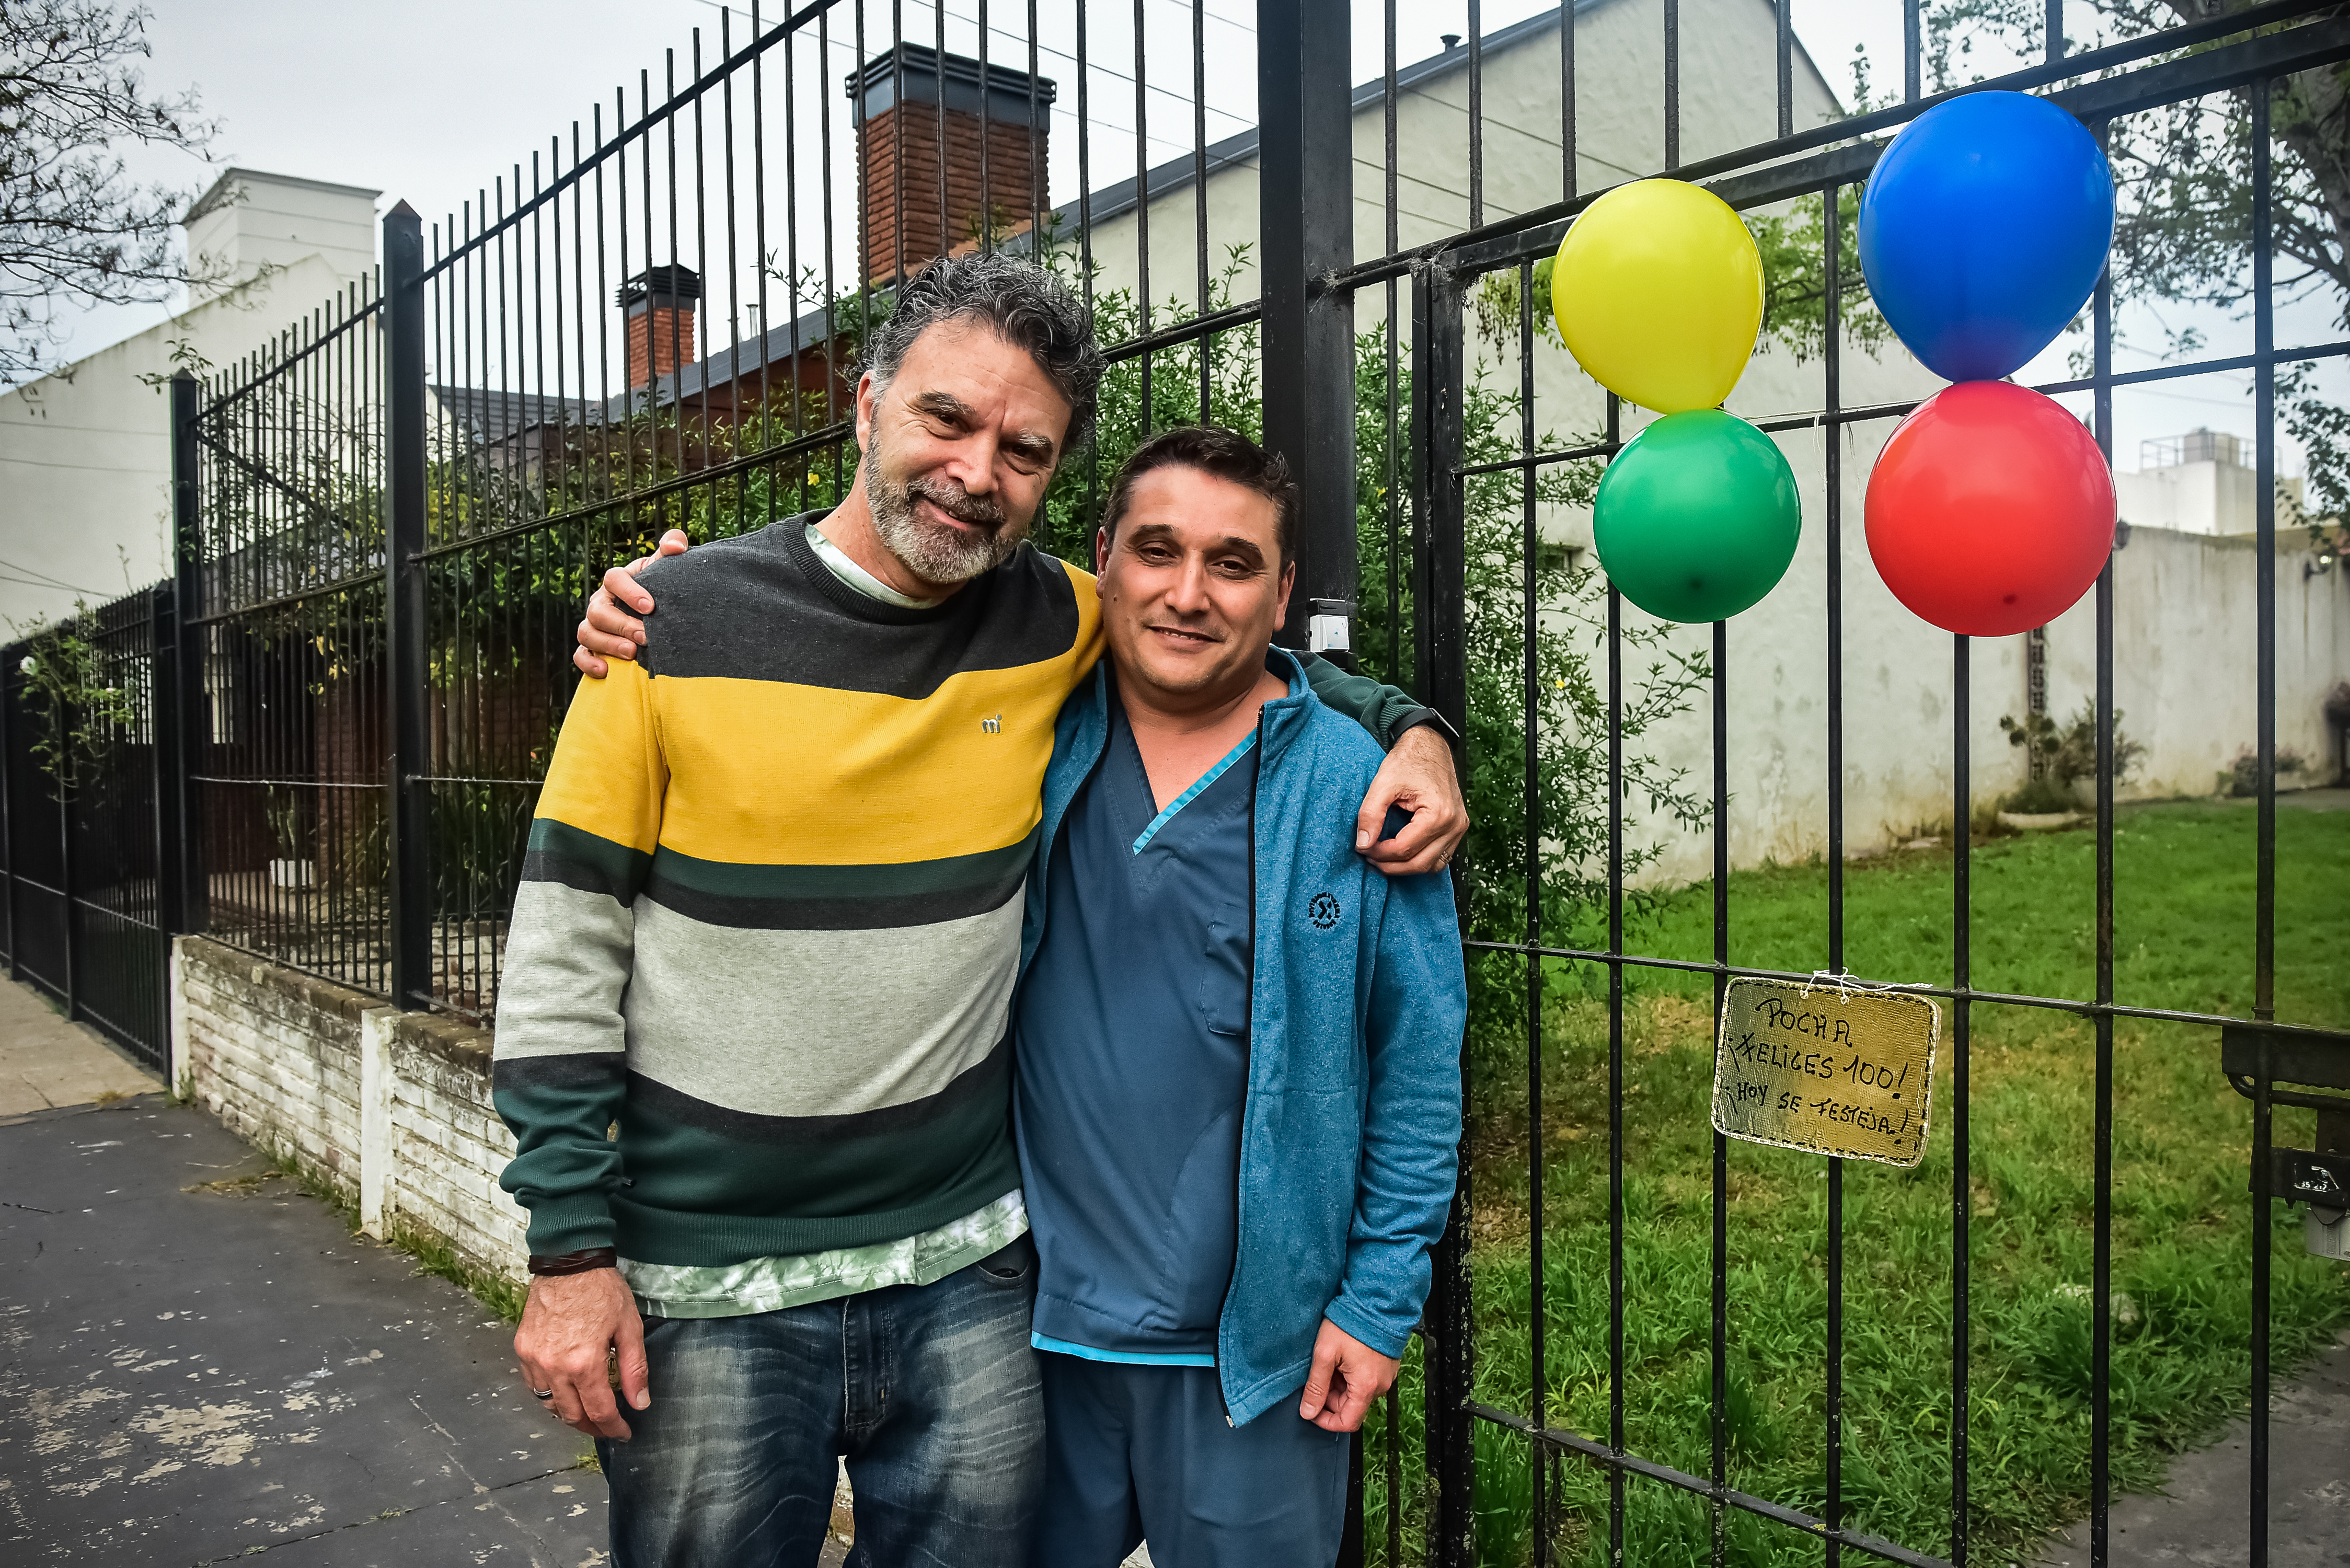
{"x": 1351, "y": 1130}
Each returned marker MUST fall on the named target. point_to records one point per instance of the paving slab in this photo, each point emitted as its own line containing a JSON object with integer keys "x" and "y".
{"x": 202, "y": 1363}
{"x": 2201, "y": 1517}
{"x": 45, "y": 1061}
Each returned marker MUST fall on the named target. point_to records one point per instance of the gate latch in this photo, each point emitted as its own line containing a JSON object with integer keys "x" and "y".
{"x": 2320, "y": 1178}
{"x": 2304, "y": 1176}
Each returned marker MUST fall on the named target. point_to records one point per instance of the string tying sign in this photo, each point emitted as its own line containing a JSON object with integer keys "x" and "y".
{"x": 1834, "y": 1066}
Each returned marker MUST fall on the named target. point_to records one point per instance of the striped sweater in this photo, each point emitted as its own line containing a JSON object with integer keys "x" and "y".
{"x": 770, "y": 919}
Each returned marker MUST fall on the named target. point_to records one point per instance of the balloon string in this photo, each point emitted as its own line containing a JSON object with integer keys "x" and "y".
{"x": 1847, "y": 983}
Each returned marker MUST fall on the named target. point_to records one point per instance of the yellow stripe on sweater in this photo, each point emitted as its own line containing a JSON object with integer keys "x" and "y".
{"x": 772, "y": 772}
{"x": 608, "y": 777}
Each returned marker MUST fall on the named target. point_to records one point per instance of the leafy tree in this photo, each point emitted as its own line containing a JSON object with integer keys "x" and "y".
{"x": 75, "y": 228}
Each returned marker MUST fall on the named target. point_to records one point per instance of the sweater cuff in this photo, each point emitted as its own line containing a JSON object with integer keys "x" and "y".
{"x": 1379, "y": 1333}
{"x": 572, "y": 1223}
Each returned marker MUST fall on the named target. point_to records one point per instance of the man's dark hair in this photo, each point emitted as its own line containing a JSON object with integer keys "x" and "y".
{"x": 1225, "y": 454}
{"x": 1022, "y": 303}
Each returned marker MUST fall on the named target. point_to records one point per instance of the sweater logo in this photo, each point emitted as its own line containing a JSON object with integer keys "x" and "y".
{"x": 992, "y": 725}
{"x": 1323, "y": 911}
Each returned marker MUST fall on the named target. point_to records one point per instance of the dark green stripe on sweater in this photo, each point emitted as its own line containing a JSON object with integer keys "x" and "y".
{"x": 838, "y": 897}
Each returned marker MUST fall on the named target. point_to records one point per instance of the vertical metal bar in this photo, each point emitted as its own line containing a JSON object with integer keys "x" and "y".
{"x": 1350, "y": 1535}
{"x": 165, "y": 768}
{"x": 1911, "y": 87}
{"x": 1962, "y": 1164}
{"x": 896, "y": 128}
{"x": 1615, "y": 1050}
{"x": 986, "y": 135}
{"x": 187, "y": 912}
{"x": 9, "y": 830}
{"x": 1307, "y": 220}
{"x": 2264, "y": 843}
{"x": 1394, "y": 1471}
{"x": 1200, "y": 191}
{"x": 1085, "y": 204}
{"x": 1037, "y": 172}
{"x": 1719, "y": 1473}
{"x": 1672, "y": 84}
{"x": 676, "y": 343}
{"x": 1538, "y": 1361}
{"x": 763, "y": 324}
{"x": 939, "y": 90}
{"x": 1566, "y": 150}
{"x": 1142, "y": 221}
{"x": 62, "y": 717}
{"x": 2053, "y": 31}
{"x": 405, "y": 609}
{"x": 2102, "y": 1239}
{"x": 1389, "y": 234}
{"x": 1439, "y": 363}
{"x": 1786, "y": 52}
{"x": 2258, "y": 1541}
{"x": 1476, "y": 111}
{"x": 1833, "y": 480}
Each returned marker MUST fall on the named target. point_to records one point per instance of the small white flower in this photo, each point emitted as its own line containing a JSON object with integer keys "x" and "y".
{"x": 29, "y": 665}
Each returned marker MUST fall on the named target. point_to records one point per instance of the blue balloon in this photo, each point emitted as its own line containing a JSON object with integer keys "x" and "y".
{"x": 1983, "y": 229}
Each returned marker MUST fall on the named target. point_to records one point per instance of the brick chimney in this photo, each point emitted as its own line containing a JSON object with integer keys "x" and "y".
{"x": 658, "y": 304}
{"x": 900, "y": 92}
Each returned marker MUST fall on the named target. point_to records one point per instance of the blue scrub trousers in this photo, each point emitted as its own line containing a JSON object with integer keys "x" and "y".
{"x": 1135, "y": 1452}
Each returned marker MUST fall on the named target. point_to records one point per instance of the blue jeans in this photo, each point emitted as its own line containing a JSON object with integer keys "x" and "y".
{"x": 929, "y": 1391}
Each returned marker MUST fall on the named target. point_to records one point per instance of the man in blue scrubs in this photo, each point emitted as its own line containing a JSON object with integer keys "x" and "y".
{"x": 1239, "y": 1092}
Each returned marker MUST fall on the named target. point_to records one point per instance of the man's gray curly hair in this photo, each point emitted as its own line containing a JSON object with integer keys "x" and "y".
{"x": 1024, "y": 303}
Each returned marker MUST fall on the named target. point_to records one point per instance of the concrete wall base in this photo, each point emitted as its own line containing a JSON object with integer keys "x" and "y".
{"x": 390, "y": 1109}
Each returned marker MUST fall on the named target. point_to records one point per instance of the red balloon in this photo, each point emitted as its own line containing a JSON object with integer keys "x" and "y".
{"x": 1990, "y": 509}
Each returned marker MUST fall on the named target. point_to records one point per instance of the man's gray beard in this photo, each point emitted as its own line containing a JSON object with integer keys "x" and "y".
{"x": 937, "y": 555}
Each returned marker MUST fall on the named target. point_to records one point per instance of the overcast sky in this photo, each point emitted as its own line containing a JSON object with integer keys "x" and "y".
{"x": 426, "y": 101}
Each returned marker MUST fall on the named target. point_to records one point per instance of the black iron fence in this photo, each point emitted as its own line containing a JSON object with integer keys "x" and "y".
{"x": 86, "y": 760}
{"x": 1546, "y": 945}
{"x": 388, "y": 520}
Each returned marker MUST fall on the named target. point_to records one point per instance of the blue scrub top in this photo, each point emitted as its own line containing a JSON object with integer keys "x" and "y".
{"x": 1132, "y": 1030}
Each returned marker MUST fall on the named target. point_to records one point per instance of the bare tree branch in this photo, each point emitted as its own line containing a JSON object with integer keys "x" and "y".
{"x": 75, "y": 228}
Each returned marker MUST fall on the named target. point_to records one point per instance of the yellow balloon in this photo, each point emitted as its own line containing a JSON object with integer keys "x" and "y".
{"x": 1658, "y": 290}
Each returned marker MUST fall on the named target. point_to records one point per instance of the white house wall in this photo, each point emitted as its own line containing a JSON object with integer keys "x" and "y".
{"x": 86, "y": 454}
{"x": 270, "y": 221}
{"x": 2184, "y": 652}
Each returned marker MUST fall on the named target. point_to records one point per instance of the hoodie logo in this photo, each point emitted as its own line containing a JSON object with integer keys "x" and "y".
{"x": 992, "y": 725}
{"x": 1323, "y": 911}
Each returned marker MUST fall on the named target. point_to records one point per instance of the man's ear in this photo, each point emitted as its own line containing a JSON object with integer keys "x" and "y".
{"x": 1281, "y": 605}
{"x": 867, "y": 398}
{"x": 1101, "y": 557}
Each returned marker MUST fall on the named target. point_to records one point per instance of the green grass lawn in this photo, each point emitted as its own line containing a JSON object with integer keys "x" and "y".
{"x": 2181, "y": 1214}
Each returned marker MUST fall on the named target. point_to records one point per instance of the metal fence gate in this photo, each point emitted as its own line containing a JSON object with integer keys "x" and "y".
{"x": 387, "y": 521}
{"x": 1823, "y": 164}
{"x": 86, "y": 753}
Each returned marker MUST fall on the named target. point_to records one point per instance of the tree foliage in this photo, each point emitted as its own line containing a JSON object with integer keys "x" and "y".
{"x": 75, "y": 227}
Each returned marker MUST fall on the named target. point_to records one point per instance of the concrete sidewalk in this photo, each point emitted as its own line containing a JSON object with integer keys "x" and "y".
{"x": 47, "y": 1062}
{"x": 2202, "y": 1517}
{"x": 204, "y": 1363}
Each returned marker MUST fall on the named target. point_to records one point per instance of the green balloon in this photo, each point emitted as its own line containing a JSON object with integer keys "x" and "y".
{"x": 1697, "y": 517}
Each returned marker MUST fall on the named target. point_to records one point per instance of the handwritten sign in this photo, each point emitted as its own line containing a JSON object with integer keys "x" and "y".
{"x": 1828, "y": 1067}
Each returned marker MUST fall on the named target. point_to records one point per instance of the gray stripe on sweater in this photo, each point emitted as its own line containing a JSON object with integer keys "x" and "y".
{"x": 780, "y": 1022}
{"x": 567, "y": 966}
{"x": 814, "y": 1022}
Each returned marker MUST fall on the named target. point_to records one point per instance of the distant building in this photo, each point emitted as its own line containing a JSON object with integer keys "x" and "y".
{"x": 85, "y": 452}
{"x": 2197, "y": 483}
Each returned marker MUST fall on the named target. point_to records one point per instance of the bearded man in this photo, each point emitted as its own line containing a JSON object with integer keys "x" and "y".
{"x": 755, "y": 1032}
